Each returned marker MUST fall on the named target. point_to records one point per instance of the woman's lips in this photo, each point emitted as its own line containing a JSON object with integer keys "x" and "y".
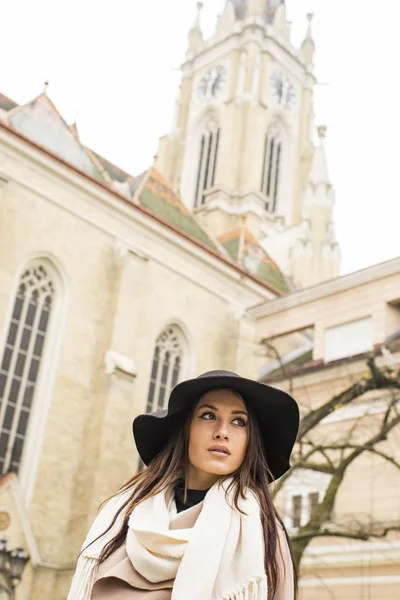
{"x": 220, "y": 451}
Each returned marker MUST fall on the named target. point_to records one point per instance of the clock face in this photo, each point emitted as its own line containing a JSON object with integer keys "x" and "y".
{"x": 283, "y": 90}
{"x": 212, "y": 83}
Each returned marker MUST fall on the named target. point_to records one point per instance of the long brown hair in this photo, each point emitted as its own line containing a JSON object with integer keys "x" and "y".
{"x": 170, "y": 466}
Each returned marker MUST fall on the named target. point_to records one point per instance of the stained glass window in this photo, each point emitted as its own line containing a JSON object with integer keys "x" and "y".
{"x": 302, "y": 506}
{"x": 166, "y": 368}
{"x": 21, "y": 360}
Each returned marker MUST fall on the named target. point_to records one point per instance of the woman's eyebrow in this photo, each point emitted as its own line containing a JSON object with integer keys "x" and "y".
{"x": 234, "y": 412}
{"x": 207, "y": 406}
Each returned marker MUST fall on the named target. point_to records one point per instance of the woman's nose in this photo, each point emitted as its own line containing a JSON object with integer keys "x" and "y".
{"x": 221, "y": 432}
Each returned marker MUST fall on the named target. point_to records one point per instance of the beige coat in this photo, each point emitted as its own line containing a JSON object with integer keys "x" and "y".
{"x": 117, "y": 579}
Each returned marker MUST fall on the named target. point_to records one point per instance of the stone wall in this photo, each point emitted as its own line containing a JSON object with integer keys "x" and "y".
{"x": 120, "y": 279}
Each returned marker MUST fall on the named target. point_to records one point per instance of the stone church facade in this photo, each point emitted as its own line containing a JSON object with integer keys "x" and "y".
{"x": 113, "y": 287}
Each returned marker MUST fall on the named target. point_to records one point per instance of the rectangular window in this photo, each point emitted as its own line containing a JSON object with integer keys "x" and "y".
{"x": 348, "y": 339}
{"x": 296, "y": 510}
{"x": 313, "y": 500}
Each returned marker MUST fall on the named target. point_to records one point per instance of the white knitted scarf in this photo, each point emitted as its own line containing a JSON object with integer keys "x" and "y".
{"x": 220, "y": 558}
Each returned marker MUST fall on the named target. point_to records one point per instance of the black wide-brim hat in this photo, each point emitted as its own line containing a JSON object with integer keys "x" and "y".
{"x": 277, "y": 414}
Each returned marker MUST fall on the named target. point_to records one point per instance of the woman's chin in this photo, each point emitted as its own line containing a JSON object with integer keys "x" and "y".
{"x": 216, "y": 468}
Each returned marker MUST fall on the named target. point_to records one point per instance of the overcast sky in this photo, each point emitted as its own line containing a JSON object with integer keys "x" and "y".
{"x": 114, "y": 67}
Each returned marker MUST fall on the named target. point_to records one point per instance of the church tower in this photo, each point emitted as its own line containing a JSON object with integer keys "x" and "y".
{"x": 242, "y": 147}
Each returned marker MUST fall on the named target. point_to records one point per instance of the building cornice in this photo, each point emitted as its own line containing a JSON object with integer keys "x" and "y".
{"x": 352, "y": 555}
{"x": 328, "y": 288}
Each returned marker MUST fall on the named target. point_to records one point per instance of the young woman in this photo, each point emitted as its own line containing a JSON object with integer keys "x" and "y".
{"x": 199, "y": 523}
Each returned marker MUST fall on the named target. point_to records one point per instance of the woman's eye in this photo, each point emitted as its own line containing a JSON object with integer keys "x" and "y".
{"x": 208, "y": 416}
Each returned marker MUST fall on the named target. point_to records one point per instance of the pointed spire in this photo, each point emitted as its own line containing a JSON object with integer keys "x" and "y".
{"x": 319, "y": 168}
{"x": 280, "y": 22}
{"x": 308, "y": 45}
{"x": 199, "y": 9}
{"x": 316, "y": 257}
{"x": 272, "y": 10}
{"x": 195, "y": 38}
{"x": 226, "y": 21}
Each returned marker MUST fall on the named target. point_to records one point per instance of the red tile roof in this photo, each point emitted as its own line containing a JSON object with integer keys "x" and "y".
{"x": 151, "y": 214}
{"x": 6, "y": 103}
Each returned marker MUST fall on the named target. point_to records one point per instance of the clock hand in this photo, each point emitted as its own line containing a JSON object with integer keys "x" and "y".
{"x": 209, "y": 86}
{"x": 290, "y": 96}
{"x": 280, "y": 93}
{"x": 215, "y": 84}
{"x": 214, "y": 79}
{"x": 285, "y": 92}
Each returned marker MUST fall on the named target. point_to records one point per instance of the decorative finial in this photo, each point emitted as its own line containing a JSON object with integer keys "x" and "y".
{"x": 195, "y": 34}
{"x": 46, "y": 85}
{"x": 308, "y": 45}
{"x": 310, "y": 17}
{"x": 74, "y": 130}
{"x": 199, "y": 9}
{"x": 322, "y": 129}
{"x": 196, "y": 24}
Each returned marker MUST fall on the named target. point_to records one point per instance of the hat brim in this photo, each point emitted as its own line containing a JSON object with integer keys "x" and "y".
{"x": 277, "y": 414}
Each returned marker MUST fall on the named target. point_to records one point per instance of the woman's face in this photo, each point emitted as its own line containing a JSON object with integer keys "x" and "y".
{"x": 218, "y": 438}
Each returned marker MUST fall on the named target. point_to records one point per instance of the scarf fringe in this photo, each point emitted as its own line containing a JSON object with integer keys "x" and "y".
{"x": 83, "y": 581}
{"x": 255, "y": 589}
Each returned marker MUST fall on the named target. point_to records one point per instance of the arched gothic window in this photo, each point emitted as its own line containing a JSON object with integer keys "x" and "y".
{"x": 273, "y": 149}
{"x": 166, "y": 368}
{"x": 21, "y": 360}
{"x": 207, "y": 164}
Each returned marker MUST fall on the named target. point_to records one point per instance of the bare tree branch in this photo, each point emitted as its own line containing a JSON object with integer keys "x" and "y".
{"x": 379, "y": 437}
{"x": 366, "y": 448}
{"x": 316, "y": 453}
{"x": 377, "y": 380}
{"x": 354, "y": 535}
